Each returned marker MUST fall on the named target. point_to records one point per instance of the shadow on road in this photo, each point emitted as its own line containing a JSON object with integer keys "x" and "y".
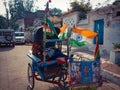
{"x": 5, "y": 48}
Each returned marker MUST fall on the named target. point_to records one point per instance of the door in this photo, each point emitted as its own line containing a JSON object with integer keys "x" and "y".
{"x": 99, "y": 28}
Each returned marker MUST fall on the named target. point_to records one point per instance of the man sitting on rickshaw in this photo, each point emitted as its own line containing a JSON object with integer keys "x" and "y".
{"x": 51, "y": 51}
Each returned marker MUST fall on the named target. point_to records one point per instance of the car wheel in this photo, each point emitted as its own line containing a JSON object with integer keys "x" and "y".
{"x": 13, "y": 44}
{"x": 8, "y": 37}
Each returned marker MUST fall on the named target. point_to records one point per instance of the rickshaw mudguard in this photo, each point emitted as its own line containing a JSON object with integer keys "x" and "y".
{"x": 33, "y": 57}
{"x": 34, "y": 64}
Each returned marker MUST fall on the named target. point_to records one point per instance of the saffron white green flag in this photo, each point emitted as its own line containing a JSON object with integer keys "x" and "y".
{"x": 80, "y": 36}
{"x": 63, "y": 32}
{"x": 77, "y": 40}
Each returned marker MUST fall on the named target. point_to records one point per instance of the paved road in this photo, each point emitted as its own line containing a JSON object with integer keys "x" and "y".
{"x": 13, "y": 71}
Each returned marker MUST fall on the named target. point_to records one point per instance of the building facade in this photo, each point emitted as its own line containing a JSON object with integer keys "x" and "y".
{"x": 71, "y": 18}
{"x": 105, "y": 21}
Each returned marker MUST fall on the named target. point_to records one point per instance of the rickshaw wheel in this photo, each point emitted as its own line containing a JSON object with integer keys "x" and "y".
{"x": 63, "y": 82}
{"x": 31, "y": 81}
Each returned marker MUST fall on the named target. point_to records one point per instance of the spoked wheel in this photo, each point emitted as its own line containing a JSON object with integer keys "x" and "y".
{"x": 63, "y": 82}
{"x": 31, "y": 81}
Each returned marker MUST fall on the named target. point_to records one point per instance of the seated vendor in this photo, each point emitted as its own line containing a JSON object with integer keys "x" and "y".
{"x": 50, "y": 50}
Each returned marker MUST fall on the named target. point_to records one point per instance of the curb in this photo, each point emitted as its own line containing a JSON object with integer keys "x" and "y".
{"x": 115, "y": 78}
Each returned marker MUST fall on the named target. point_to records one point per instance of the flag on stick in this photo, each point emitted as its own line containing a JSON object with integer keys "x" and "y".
{"x": 79, "y": 36}
{"x": 97, "y": 53}
{"x": 63, "y": 32}
{"x": 51, "y": 26}
{"x": 85, "y": 32}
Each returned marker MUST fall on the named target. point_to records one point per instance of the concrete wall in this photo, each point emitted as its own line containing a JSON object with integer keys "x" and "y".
{"x": 28, "y": 36}
{"x": 71, "y": 18}
{"x": 21, "y": 24}
{"x": 111, "y": 26}
{"x": 112, "y": 35}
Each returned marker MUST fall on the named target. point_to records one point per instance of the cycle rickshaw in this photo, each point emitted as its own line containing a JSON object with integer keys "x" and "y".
{"x": 53, "y": 66}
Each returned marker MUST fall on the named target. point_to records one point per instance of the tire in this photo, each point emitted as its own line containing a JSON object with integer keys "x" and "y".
{"x": 13, "y": 44}
{"x": 64, "y": 77}
{"x": 8, "y": 37}
{"x": 31, "y": 81}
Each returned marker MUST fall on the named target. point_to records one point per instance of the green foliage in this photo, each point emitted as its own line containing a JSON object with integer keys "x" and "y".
{"x": 55, "y": 12}
{"x": 116, "y": 2}
{"x": 16, "y": 11}
{"x": 116, "y": 45}
{"x": 18, "y": 8}
{"x": 28, "y": 5}
{"x": 15, "y": 26}
{"x": 82, "y": 7}
{"x": 3, "y": 22}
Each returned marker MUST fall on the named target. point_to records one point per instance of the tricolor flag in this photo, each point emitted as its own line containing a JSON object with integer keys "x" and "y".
{"x": 63, "y": 32}
{"x": 50, "y": 24}
{"x": 48, "y": 30}
{"x": 79, "y": 36}
{"x": 85, "y": 32}
{"x": 97, "y": 53}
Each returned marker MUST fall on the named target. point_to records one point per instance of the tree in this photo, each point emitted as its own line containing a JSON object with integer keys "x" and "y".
{"x": 18, "y": 9}
{"x": 3, "y": 22}
{"x": 55, "y": 12}
{"x": 82, "y": 7}
{"x": 28, "y": 5}
{"x": 116, "y": 2}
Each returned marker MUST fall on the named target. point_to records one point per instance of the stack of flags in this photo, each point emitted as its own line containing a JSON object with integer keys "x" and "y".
{"x": 78, "y": 34}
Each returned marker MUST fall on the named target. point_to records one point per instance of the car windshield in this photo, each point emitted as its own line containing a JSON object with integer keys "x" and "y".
{"x": 7, "y": 33}
{"x": 19, "y": 34}
{"x": 0, "y": 33}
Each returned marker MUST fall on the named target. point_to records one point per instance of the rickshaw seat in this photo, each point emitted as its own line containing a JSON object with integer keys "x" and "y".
{"x": 60, "y": 60}
{"x": 33, "y": 57}
{"x": 48, "y": 63}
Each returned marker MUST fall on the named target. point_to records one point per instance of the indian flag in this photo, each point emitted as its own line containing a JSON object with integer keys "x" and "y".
{"x": 80, "y": 35}
{"x": 77, "y": 40}
{"x": 51, "y": 26}
{"x": 47, "y": 30}
{"x": 63, "y": 32}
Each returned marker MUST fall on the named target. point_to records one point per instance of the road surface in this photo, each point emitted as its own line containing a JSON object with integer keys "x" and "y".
{"x": 13, "y": 71}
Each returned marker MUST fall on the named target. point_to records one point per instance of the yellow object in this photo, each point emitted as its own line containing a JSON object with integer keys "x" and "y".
{"x": 86, "y": 87}
{"x": 62, "y": 29}
{"x": 85, "y": 32}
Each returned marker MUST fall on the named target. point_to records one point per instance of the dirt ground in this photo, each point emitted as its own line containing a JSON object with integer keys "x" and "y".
{"x": 13, "y": 71}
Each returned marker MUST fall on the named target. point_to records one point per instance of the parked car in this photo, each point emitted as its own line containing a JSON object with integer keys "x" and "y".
{"x": 7, "y": 37}
{"x": 19, "y": 38}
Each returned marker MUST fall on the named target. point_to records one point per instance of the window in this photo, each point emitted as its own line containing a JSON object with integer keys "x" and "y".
{"x": 19, "y": 34}
{"x": 7, "y": 33}
{"x": 118, "y": 13}
{"x": 0, "y": 33}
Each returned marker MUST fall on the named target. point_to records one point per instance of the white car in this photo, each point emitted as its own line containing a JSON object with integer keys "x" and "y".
{"x": 19, "y": 38}
{"x": 7, "y": 37}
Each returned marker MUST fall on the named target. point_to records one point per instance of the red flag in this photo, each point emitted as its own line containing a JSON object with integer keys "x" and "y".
{"x": 97, "y": 53}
